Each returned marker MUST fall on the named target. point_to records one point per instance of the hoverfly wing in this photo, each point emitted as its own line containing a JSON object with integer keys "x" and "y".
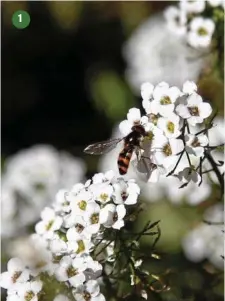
{"x": 103, "y": 147}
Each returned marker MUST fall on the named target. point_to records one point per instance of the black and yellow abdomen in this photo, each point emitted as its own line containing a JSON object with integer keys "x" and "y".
{"x": 124, "y": 159}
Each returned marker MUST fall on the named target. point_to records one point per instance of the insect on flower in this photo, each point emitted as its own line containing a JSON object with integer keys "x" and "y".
{"x": 131, "y": 143}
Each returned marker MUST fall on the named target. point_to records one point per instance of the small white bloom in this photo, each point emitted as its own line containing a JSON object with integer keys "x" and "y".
{"x": 29, "y": 290}
{"x": 80, "y": 202}
{"x": 201, "y": 31}
{"x": 91, "y": 217}
{"x": 189, "y": 87}
{"x": 165, "y": 151}
{"x": 146, "y": 91}
{"x": 133, "y": 118}
{"x": 17, "y": 273}
{"x": 102, "y": 192}
{"x": 93, "y": 268}
{"x": 50, "y": 223}
{"x": 112, "y": 216}
{"x": 195, "y": 110}
{"x": 164, "y": 98}
{"x": 125, "y": 192}
{"x": 195, "y": 144}
{"x": 57, "y": 245}
{"x": 170, "y": 125}
{"x": 195, "y": 6}
{"x": 61, "y": 203}
{"x": 89, "y": 291}
{"x": 176, "y": 20}
{"x": 188, "y": 174}
{"x": 78, "y": 246}
{"x": 77, "y": 227}
{"x": 71, "y": 270}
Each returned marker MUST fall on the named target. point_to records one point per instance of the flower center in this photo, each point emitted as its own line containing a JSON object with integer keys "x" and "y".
{"x": 66, "y": 203}
{"x": 170, "y": 127}
{"x": 104, "y": 196}
{"x": 165, "y": 100}
{"x": 82, "y": 205}
{"x": 15, "y": 276}
{"x": 94, "y": 218}
{"x": 193, "y": 111}
{"x": 49, "y": 225}
{"x": 86, "y": 296}
{"x": 81, "y": 246}
{"x": 167, "y": 150}
{"x": 79, "y": 228}
{"x": 29, "y": 295}
{"x": 202, "y": 31}
{"x": 71, "y": 272}
{"x": 124, "y": 195}
{"x": 153, "y": 118}
{"x": 196, "y": 142}
{"x": 40, "y": 264}
{"x": 39, "y": 187}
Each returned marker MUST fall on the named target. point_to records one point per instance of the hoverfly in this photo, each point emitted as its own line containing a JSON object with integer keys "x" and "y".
{"x": 131, "y": 144}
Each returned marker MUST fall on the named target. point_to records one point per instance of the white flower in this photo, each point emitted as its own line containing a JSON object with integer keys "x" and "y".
{"x": 80, "y": 202}
{"x": 49, "y": 224}
{"x": 78, "y": 245}
{"x": 112, "y": 216}
{"x": 133, "y": 118}
{"x": 90, "y": 290}
{"x": 207, "y": 240}
{"x": 195, "y": 144}
{"x": 146, "y": 91}
{"x": 176, "y": 20}
{"x": 196, "y": 6}
{"x": 32, "y": 177}
{"x": 189, "y": 87}
{"x": 195, "y": 111}
{"x": 57, "y": 245}
{"x": 91, "y": 217}
{"x": 153, "y": 50}
{"x": 188, "y": 174}
{"x": 103, "y": 177}
{"x": 17, "y": 273}
{"x": 102, "y": 192}
{"x": 29, "y": 290}
{"x": 201, "y": 31}
{"x": 165, "y": 151}
{"x": 61, "y": 203}
{"x": 164, "y": 98}
{"x": 93, "y": 268}
{"x": 77, "y": 226}
{"x": 125, "y": 192}
{"x": 71, "y": 270}
{"x": 170, "y": 125}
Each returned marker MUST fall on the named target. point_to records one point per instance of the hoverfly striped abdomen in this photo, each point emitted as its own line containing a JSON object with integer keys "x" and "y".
{"x": 124, "y": 158}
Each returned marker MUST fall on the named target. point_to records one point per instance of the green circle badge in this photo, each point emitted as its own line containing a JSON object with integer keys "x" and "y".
{"x": 21, "y": 19}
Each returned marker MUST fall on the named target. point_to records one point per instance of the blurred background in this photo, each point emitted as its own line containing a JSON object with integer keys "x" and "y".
{"x": 67, "y": 81}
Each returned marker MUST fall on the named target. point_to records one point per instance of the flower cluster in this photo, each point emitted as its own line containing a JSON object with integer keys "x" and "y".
{"x": 170, "y": 114}
{"x": 30, "y": 181}
{"x": 153, "y": 50}
{"x": 207, "y": 239}
{"x": 80, "y": 220}
{"x": 196, "y": 20}
{"x": 168, "y": 187}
